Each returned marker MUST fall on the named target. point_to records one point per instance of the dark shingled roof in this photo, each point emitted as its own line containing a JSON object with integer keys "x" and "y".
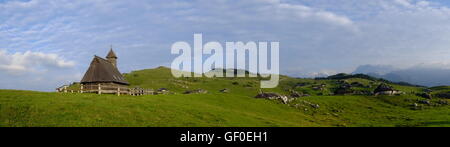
{"x": 384, "y": 87}
{"x": 111, "y": 54}
{"x": 102, "y": 70}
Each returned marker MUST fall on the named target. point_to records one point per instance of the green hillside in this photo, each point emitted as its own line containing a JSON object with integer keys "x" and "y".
{"x": 319, "y": 105}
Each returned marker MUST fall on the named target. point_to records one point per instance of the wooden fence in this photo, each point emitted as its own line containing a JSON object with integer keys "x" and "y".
{"x": 108, "y": 89}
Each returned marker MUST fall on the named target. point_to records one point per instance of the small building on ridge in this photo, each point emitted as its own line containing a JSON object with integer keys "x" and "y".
{"x": 103, "y": 76}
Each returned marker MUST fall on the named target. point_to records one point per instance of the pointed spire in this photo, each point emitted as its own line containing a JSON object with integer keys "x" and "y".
{"x": 111, "y": 54}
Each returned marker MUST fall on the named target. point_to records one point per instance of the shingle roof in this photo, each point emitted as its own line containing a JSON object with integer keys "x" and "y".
{"x": 111, "y": 54}
{"x": 102, "y": 70}
{"x": 384, "y": 87}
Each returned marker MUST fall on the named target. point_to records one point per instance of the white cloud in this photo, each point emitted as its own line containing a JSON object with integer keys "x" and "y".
{"x": 405, "y": 3}
{"x": 22, "y": 63}
{"x": 304, "y": 12}
{"x": 290, "y": 11}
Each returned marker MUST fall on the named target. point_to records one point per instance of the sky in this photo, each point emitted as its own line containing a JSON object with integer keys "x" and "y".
{"x": 47, "y": 43}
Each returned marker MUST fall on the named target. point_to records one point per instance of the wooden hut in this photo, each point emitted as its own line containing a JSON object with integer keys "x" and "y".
{"x": 103, "y": 76}
{"x": 384, "y": 89}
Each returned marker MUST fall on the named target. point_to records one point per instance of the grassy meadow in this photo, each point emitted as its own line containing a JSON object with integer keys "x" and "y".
{"x": 237, "y": 108}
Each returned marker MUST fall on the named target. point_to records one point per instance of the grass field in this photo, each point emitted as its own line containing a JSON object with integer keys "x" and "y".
{"x": 237, "y": 108}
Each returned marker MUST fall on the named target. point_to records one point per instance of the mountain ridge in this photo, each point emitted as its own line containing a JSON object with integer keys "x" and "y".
{"x": 417, "y": 75}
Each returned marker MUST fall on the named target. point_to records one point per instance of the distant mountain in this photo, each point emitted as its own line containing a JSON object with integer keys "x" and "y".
{"x": 374, "y": 69}
{"x": 419, "y": 75}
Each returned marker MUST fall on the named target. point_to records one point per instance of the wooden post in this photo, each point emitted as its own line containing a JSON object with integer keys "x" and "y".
{"x": 99, "y": 89}
{"x": 118, "y": 91}
{"x": 65, "y": 89}
{"x": 81, "y": 89}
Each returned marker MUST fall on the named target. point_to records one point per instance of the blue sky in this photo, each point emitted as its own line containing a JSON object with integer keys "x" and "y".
{"x": 47, "y": 43}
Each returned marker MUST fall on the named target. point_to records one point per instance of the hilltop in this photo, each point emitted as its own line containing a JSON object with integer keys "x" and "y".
{"x": 344, "y": 101}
